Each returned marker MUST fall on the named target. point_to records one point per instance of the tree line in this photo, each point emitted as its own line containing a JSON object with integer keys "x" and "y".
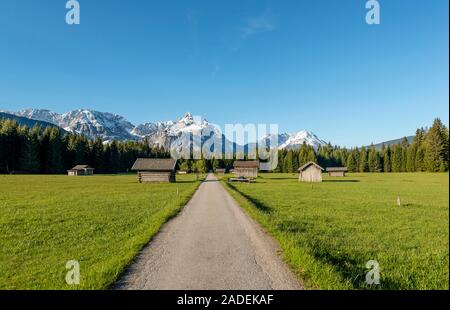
{"x": 50, "y": 150}
{"x": 428, "y": 152}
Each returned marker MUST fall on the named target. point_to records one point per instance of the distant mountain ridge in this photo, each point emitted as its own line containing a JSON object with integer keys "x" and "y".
{"x": 22, "y": 121}
{"x": 378, "y": 146}
{"x": 108, "y": 126}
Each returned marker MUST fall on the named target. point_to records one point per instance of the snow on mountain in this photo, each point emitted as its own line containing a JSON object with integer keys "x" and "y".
{"x": 40, "y": 115}
{"x": 108, "y": 126}
{"x": 90, "y": 123}
{"x": 293, "y": 141}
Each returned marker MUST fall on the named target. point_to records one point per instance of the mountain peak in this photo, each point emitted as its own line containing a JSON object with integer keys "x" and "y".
{"x": 109, "y": 126}
{"x": 188, "y": 115}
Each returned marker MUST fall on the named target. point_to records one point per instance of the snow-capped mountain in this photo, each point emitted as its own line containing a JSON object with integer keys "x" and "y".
{"x": 164, "y": 133}
{"x": 110, "y": 126}
{"x": 295, "y": 140}
{"x": 292, "y": 141}
{"x": 40, "y": 115}
{"x": 90, "y": 123}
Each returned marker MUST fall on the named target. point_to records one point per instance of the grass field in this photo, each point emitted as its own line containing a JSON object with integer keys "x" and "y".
{"x": 101, "y": 221}
{"x": 329, "y": 230}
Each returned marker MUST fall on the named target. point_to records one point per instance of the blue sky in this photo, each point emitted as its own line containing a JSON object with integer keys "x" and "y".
{"x": 312, "y": 64}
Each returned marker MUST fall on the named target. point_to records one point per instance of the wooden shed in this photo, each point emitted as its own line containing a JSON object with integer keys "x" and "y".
{"x": 336, "y": 171}
{"x": 247, "y": 169}
{"x": 310, "y": 172}
{"x": 80, "y": 170}
{"x": 221, "y": 171}
{"x": 155, "y": 169}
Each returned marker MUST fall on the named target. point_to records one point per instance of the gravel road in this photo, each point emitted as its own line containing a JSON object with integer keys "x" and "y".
{"x": 211, "y": 244}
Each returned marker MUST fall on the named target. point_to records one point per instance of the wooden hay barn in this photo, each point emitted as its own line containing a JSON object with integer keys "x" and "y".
{"x": 336, "y": 171}
{"x": 155, "y": 169}
{"x": 310, "y": 172}
{"x": 80, "y": 170}
{"x": 246, "y": 169}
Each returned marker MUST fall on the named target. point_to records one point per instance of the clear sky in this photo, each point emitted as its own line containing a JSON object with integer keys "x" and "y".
{"x": 304, "y": 64}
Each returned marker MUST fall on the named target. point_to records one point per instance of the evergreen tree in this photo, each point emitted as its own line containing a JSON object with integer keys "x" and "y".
{"x": 387, "y": 160}
{"x": 363, "y": 167}
{"x": 10, "y": 145}
{"x": 396, "y": 158}
{"x": 311, "y": 155}
{"x": 54, "y": 152}
{"x": 289, "y": 166}
{"x": 436, "y": 147}
{"x": 115, "y": 157}
{"x": 29, "y": 153}
{"x": 411, "y": 158}
{"x": 405, "y": 146}
{"x": 373, "y": 160}
{"x": 351, "y": 163}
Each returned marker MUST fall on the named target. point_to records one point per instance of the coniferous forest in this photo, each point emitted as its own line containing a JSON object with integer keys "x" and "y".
{"x": 51, "y": 151}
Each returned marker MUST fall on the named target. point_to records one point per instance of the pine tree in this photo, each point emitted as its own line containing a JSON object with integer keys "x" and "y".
{"x": 54, "y": 151}
{"x": 436, "y": 147}
{"x": 351, "y": 163}
{"x": 373, "y": 159}
{"x": 29, "y": 153}
{"x": 289, "y": 166}
{"x": 397, "y": 158}
{"x": 363, "y": 160}
{"x": 11, "y": 145}
{"x": 303, "y": 155}
{"x": 411, "y": 158}
{"x": 387, "y": 160}
{"x": 405, "y": 146}
{"x": 311, "y": 155}
{"x": 420, "y": 158}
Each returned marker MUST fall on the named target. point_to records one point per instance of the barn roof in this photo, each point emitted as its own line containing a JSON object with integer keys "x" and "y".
{"x": 81, "y": 167}
{"x": 154, "y": 164}
{"x": 336, "y": 169}
{"x": 246, "y": 164}
{"x": 309, "y": 164}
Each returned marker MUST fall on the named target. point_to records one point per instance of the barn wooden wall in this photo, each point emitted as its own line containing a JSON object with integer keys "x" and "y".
{"x": 311, "y": 174}
{"x": 150, "y": 176}
{"x": 246, "y": 172}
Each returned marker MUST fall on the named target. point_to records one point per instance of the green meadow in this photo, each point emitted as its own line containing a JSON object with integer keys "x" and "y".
{"x": 328, "y": 231}
{"x": 100, "y": 221}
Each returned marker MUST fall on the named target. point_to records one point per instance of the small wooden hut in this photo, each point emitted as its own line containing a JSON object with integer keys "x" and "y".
{"x": 310, "y": 172}
{"x": 246, "y": 169}
{"x": 220, "y": 171}
{"x": 80, "y": 170}
{"x": 336, "y": 171}
{"x": 155, "y": 169}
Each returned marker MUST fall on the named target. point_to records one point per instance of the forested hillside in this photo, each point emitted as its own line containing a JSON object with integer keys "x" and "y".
{"x": 427, "y": 152}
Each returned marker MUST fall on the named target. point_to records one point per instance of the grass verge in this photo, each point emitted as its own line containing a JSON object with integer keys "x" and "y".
{"x": 328, "y": 231}
{"x": 100, "y": 221}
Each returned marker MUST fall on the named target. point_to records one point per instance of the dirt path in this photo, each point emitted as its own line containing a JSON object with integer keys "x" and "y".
{"x": 211, "y": 244}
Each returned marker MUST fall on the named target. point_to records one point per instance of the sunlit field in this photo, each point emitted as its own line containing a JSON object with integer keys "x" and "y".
{"x": 329, "y": 231}
{"x": 100, "y": 221}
